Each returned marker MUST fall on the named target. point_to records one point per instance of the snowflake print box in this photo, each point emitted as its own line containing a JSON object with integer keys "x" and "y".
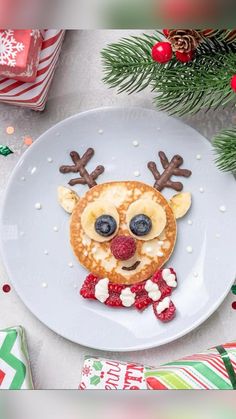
{"x": 19, "y": 53}
{"x": 33, "y": 95}
{"x": 124, "y": 232}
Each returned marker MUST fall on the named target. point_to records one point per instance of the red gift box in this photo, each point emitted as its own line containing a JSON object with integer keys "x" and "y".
{"x": 34, "y": 95}
{"x": 19, "y": 53}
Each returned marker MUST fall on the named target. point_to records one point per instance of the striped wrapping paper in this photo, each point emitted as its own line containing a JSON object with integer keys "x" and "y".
{"x": 209, "y": 370}
{"x": 15, "y": 371}
{"x": 214, "y": 369}
{"x": 34, "y": 95}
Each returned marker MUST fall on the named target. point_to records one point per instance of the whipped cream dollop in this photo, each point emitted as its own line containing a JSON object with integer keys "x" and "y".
{"x": 127, "y": 297}
{"x": 101, "y": 290}
{"x": 153, "y": 290}
{"x": 163, "y": 305}
{"x": 169, "y": 278}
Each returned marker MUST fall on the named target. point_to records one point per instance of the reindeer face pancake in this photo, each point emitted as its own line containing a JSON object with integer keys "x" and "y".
{"x": 132, "y": 213}
{"x": 124, "y": 232}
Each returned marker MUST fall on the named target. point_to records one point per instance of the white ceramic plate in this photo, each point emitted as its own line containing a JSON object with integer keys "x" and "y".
{"x": 205, "y": 275}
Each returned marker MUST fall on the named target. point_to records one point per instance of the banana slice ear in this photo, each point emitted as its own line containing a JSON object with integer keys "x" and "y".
{"x": 67, "y": 198}
{"x": 180, "y": 204}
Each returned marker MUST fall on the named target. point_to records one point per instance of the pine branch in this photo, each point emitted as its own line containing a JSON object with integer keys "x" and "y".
{"x": 225, "y": 149}
{"x": 225, "y": 35}
{"x": 181, "y": 88}
{"x": 202, "y": 83}
{"x": 128, "y": 63}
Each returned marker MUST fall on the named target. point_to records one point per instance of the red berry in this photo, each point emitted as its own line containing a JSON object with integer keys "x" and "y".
{"x": 166, "y": 32}
{"x": 116, "y": 288}
{"x": 157, "y": 277}
{"x": 234, "y": 305}
{"x": 88, "y": 287}
{"x": 233, "y": 83}
{"x": 136, "y": 288}
{"x": 114, "y": 300}
{"x": 6, "y": 288}
{"x": 162, "y": 52}
{"x": 166, "y": 291}
{"x": 123, "y": 247}
{"x": 184, "y": 57}
{"x": 163, "y": 287}
{"x": 114, "y": 295}
{"x": 142, "y": 300}
{"x": 167, "y": 315}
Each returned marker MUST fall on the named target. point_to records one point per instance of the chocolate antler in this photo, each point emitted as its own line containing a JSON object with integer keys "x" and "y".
{"x": 171, "y": 169}
{"x": 79, "y": 167}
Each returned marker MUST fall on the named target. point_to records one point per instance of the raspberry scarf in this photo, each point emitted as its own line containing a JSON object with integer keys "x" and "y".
{"x": 155, "y": 291}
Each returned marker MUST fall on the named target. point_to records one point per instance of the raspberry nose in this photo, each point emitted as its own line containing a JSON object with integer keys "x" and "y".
{"x": 123, "y": 247}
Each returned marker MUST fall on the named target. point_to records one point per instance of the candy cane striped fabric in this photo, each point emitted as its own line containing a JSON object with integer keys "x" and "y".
{"x": 204, "y": 371}
{"x": 34, "y": 95}
{"x": 14, "y": 363}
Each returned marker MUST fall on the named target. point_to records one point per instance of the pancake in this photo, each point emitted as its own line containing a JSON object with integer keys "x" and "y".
{"x": 151, "y": 254}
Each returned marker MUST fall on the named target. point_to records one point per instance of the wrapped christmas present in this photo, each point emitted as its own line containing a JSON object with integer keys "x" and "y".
{"x": 214, "y": 369}
{"x": 34, "y": 95}
{"x": 19, "y": 53}
{"x": 15, "y": 371}
{"x": 210, "y": 370}
{"x": 105, "y": 374}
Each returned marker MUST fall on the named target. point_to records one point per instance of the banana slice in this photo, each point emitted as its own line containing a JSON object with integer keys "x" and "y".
{"x": 180, "y": 204}
{"x": 92, "y": 212}
{"x": 152, "y": 210}
{"x": 67, "y": 198}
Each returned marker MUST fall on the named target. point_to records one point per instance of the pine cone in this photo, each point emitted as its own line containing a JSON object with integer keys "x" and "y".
{"x": 184, "y": 40}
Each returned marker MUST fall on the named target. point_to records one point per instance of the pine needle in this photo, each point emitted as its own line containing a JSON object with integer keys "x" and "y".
{"x": 225, "y": 148}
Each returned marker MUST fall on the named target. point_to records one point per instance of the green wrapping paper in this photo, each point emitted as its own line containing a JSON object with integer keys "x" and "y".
{"x": 4, "y": 150}
{"x": 15, "y": 371}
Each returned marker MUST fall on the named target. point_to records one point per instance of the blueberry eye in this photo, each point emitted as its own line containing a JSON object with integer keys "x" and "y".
{"x": 140, "y": 225}
{"x": 105, "y": 225}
